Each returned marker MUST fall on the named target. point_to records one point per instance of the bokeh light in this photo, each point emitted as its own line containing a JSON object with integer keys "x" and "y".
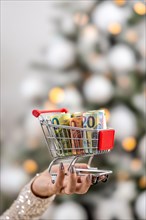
{"x": 120, "y": 2}
{"x": 122, "y": 175}
{"x": 30, "y": 166}
{"x": 56, "y": 95}
{"x": 49, "y": 105}
{"x": 136, "y": 165}
{"x": 114, "y": 28}
{"x": 32, "y": 143}
{"x": 90, "y": 32}
{"x": 131, "y": 36}
{"x": 129, "y": 143}
{"x": 140, "y": 8}
{"x": 142, "y": 182}
{"x": 81, "y": 19}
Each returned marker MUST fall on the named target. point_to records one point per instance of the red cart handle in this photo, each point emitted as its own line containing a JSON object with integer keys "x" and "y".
{"x": 36, "y": 113}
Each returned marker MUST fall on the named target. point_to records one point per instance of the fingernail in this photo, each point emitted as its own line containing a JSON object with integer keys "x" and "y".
{"x": 61, "y": 166}
{"x": 72, "y": 170}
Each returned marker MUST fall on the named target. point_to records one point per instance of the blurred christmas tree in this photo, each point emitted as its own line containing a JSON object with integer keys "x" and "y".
{"x": 95, "y": 59}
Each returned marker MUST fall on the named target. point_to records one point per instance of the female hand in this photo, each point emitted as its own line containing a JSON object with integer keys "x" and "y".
{"x": 68, "y": 184}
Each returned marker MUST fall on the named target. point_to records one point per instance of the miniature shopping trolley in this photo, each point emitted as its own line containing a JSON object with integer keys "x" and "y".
{"x": 68, "y": 143}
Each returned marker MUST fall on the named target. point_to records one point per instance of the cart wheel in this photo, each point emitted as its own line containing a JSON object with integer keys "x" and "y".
{"x": 105, "y": 179}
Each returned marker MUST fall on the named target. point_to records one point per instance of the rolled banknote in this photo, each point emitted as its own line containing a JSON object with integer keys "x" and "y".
{"x": 77, "y": 135}
{"x": 100, "y": 118}
{"x": 63, "y": 134}
{"x": 93, "y": 120}
{"x": 87, "y": 142}
{"x": 76, "y": 114}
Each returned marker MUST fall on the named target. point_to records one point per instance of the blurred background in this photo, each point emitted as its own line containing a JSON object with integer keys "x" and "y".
{"x": 82, "y": 55}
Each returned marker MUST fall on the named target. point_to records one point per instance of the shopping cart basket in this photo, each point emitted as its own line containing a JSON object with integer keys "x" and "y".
{"x": 69, "y": 143}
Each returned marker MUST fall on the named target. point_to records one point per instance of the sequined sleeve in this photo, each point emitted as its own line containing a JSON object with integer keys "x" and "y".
{"x": 27, "y": 206}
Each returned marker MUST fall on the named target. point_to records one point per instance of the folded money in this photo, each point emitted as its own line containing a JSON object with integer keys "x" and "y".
{"x": 77, "y": 135}
{"x": 76, "y": 114}
{"x": 77, "y": 141}
{"x": 63, "y": 134}
{"x": 93, "y": 120}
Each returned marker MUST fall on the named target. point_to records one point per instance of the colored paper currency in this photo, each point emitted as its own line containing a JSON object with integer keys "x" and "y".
{"x": 93, "y": 120}
{"x": 77, "y": 135}
{"x": 63, "y": 134}
{"x": 76, "y": 114}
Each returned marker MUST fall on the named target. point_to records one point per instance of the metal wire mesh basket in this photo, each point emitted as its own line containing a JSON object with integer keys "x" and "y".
{"x": 68, "y": 142}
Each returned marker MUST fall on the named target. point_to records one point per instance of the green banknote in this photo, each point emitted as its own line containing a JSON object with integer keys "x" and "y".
{"x": 62, "y": 134}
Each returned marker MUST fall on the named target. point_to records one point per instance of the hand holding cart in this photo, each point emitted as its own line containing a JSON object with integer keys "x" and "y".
{"x": 56, "y": 141}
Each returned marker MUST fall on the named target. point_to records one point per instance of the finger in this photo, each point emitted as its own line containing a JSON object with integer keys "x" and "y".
{"x": 81, "y": 165}
{"x": 84, "y": 186}
{"x": 71, "y": 185}
{"x": 60, "y": 178}
{"x": 76, "y": 165}
{"x": 79, "y": 180}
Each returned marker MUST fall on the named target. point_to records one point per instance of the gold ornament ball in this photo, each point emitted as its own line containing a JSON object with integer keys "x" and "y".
{"x": 30, "y": 166}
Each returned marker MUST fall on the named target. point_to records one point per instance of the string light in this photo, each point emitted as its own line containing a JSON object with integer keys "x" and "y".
{"x": 120, "y": 2}
{"x": 33, "y": 143}
{"x": 49, "y": 106}
{"x": 114, "y": 28}
{"x": 131, "y": 36}
{"x": 56, "y": 95}
{"x": 122, "y": 175}
{"x": 123, "y": 81}
{"x": 136, "y": 164}
{"x": 140, "y": 8}
{"x": 90, "y": 31}
{"x": 81, "y": 19}
{"x": 30, "y": 166}
{"x": 129, "y": 143}
{"x": 142, "y": 182}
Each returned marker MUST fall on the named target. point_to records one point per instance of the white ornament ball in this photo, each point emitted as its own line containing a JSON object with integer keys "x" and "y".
{"x": 126, "y": 190}
{"x": 12, "y": 180}
{"x": 121, "y": 59}
{"x": 89, "y": 35}
{"x": 123, "y": 121}
{"x": 112, "y": 208}
{"x": 107, "y": 13}
{"x": 139, "y": 101}
{"x": 98, "y": 89}
{"x": 61, "y": 53}
{"x": 142, "y": 148}
{"x": 118, "y": 205}
{"x": 33, "y": 88}
{"x": 141, "y": 41}
{"x": 69, "y": 211}
{"x": 72, "y": 99}
{"x": 140, "y": 206}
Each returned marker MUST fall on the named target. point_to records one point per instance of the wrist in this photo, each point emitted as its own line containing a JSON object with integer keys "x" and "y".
{"x": 40, "y": 188}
